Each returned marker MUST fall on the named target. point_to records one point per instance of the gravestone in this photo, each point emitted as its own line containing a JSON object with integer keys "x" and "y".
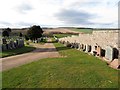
{"x": 81, "y": 46}
{"x": 77, "y": 45}
{"x": 4, "y": 41}
{"x": 11, "y": 44}
{"x": 102, "y": 52}
{"x": 93, "y": 50}
{"x": 4, "y": 47}
{"x": 68, "y": 44}
{"x": 84, "y": 47}
{"x": 39, "y": 40}
{"x": 98, "y": 51}
{"x": 17, "y": 43}
{"x": 109, "y": 53}
{"x": 88, "y": 48}
{"x": 21, "y": 43}
{"x": 0, "y": 47}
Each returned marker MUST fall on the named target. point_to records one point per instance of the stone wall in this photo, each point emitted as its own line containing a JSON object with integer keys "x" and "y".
{"x": 101, "y": 38}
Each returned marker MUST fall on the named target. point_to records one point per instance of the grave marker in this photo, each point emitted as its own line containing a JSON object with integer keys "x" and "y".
{"x": 109, "y": 53}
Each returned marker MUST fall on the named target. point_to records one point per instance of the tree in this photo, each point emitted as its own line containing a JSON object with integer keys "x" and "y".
{"x": 8, "y": 29}
{"x": 26, "y": 37}
{"x": 5, "y": 33}
{"x": 34, "y": 32}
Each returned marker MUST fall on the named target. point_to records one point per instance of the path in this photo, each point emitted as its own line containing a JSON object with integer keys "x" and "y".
{"x": 43, "y": 51}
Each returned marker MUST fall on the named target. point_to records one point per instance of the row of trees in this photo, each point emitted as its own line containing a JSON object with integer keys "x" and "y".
{"x": 33, "y": 33}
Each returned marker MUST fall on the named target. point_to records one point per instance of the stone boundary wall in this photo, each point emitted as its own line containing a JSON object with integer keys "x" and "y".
{"x": 101, "y": 38}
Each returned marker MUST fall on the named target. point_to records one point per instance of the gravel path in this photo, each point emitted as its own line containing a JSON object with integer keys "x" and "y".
{"x": 47, "y": 50}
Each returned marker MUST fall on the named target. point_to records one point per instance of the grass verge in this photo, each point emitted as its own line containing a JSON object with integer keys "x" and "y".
{"x": 77, "y": 70}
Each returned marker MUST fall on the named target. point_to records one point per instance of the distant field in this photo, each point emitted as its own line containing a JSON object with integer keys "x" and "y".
{"x": 83, "y": 30}
{"x": 61, "y": 35}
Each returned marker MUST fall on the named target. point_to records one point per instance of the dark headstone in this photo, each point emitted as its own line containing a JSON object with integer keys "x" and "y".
{"x": 4, "y": 47}
{"x": 4, "y": 41}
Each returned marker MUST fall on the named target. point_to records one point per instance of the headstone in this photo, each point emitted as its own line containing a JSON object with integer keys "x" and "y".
{"x": 12, "y": 44}
{"x": 4, "y": 41}
{"x": 17, "y": 43}
{"x": 4, "y": 47}
{"x": 109, "y": 53}
{"x": 88, "y": 48}
{"x": 38, "y": 39}
{"x": 81, "y": 46}
{"x": 68, "y": 44}
{"x": 93, "y": 50}
{"x": 116, "y": 53}
{"x": 9, "y": 46}
{"x": 98, "y": 51}
{"x": 0, "y": 47}
{"x": 76, "y": 45}
{"x": 84, "y": 47}
{"x": 102, "y": 52}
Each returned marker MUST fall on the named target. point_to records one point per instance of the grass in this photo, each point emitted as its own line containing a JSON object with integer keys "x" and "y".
{"x": 62, "y": 35}
{"x": 16, "y": 51}
{"x": 77, "y": 70}
{"x": 87, "y": 31}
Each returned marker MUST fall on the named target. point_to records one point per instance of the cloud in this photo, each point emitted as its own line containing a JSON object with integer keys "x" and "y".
{"x": 16, "y": 13}
{"x": 5, "y": 23}
{"x": 24, "y": 8}
{"x": 24, "y": 24}
{"x": 85, "y": 4}
{"x": 69, "y": 16}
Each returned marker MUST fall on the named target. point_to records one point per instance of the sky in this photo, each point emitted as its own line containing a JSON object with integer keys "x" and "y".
{"x": 59, "y": 13}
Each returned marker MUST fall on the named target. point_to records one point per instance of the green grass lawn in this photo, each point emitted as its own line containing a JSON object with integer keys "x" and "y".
{"x": 16, "y": 51}
{"x": 89, "y": 31}
{"x": 75, "y": 70}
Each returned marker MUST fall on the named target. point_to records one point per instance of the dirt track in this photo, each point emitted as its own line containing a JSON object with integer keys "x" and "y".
{"x": 43, "y": 51}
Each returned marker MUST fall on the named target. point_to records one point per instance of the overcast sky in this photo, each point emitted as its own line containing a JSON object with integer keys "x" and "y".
{"x": 82, "y": 13}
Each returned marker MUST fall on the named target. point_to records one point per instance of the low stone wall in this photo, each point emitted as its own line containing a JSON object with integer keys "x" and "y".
{"x": 102, "y": 43}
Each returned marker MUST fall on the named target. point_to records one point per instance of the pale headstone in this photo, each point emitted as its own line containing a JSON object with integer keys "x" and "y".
{"x": 98, "y": 51}
{"x": 109, "y": 53}
{"x": 84, "y": 47}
